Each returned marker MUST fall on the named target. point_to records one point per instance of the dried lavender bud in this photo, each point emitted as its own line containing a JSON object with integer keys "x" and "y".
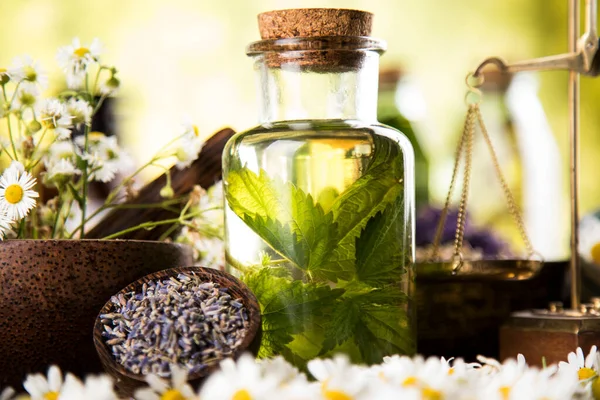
{"x": 182, "y": 321}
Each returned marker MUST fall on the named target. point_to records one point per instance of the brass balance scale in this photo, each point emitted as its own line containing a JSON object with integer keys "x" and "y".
{"x": 548, "y": 334}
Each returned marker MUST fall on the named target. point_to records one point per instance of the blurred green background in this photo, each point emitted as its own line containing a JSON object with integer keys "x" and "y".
{"x": 183, "y": 57}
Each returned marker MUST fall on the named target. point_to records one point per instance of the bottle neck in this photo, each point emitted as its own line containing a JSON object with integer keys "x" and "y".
{"x": 294, "y": 92}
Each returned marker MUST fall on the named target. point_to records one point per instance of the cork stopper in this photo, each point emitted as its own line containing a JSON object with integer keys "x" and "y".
{"x": 318, "y": 39}
{"x": 311, "y": 22}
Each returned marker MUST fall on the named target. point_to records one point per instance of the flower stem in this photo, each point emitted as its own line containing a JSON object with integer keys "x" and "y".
{"x": 59, "y": 206}
{"x": 35, "y": 149}
{"x": 21, "y": 229}
{"x": 85, "y": 182}
{"x": 236, "y": 264}
{"x": 12, "y": 141}
{"x": 95, "y": 87}
{"x": 99, "y": 104}
{"x": 153, "y": 224}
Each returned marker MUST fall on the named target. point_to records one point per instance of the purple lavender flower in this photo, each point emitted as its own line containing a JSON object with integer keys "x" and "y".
{"x": 478, "y": 238}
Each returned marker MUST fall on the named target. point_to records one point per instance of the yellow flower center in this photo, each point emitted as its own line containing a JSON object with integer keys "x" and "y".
{"x": 336, "y": 395}
{"x": 51, "y": 396}
{"x": 27, "y": 99}
{"x": 431, "y": 394}
{"x": 13, "y": 194}
{"x": 30, "y": 74}
{"x": 410, "y": 381}
{"x": 595, "y": 253}
{"x": 585, "y": 373}
{"x": 596, "y": 389}
{"x": 504, "y": 392}
{"x": 451, "y": 371}
{"x": 4, "y": 78}
{"x": 81, "y": 52}
{"x": 172, "y": 394}
{"x": 242, "y": 394}
{"x": 196, "y": 130}
{"x": 95, "y": 136}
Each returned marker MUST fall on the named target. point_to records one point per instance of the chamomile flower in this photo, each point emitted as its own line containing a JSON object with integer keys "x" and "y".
{"x": 105, "y": 158}
{"x": 502, "y": 378}
{"x": 589, "y": 234}
{"x": 241, "y": 379}
{"x": 189, "y": 145}
{"x": 75, "y": 59}
{"x": 41, "y": 387}
{"x": 190, "y": 129}
{"x": 80, "y": 112}
{"x": 187, "y": 152}
{"x": 177, "y": 389}
{"x": 16, "y": 194}
{"x": 283, "y": 371}
{"x": 4, "y": 76}
{"x": 109, "y": 86}
{"x": 100, "y": 169}
{"x": 62, "y": 170}
{"x": 53, "y": 115}
{"x": 94, "y": 388}
{"x": 584, "y": 367}
{"x": 339, "y": 378}
{"x": 545, "y": 384}
{"x": 26, "y": 96}
{"x": 59, "y": 150}
{"x": 5, "y": 227}
{"x": 24, "y": 69}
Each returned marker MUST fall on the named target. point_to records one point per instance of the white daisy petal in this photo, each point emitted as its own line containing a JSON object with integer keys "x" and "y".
{"x": 7, "y": 393}
{"x": 54, "y": 378}
{"x": 157, "y": 384}
{"x": 591, "y": 357}
{"x": 146, "y": 394}
{"x": 36, "y": 385}
{"x": 178, "y": 376}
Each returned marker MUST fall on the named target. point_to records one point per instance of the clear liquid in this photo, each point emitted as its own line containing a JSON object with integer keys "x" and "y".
{"x": 323, "y": 161}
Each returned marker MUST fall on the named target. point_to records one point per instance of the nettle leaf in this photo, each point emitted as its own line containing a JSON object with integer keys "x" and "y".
{"x": 286, "y": 218}
{"x": 380, "y": 186}
{"x": 287, "y": 307}
{"x": 315, "y": 229}
{"x": 252, "y": 194}
{"x": 384, "y": 330}
{"x": 386, "y": 152}
{"x": 377, "y": 320}
{"x": 352, "y": 211}
{"x": 345, "y": 317}
{"x": 379, "y": 250}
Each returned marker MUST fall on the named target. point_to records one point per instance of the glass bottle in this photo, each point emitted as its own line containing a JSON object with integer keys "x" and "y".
{"x": 320, "y": 197}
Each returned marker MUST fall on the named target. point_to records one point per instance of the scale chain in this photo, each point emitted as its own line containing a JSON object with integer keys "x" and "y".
{"x": 465, "y": 149}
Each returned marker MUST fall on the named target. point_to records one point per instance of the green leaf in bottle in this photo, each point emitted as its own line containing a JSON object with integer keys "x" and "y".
{"x": 287, "y": 307}
{"x": 374, "y": 318}
{"x": 286, "y": 218}
{"x": 379, "y": 253}
{"x": 379, "y": 186}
